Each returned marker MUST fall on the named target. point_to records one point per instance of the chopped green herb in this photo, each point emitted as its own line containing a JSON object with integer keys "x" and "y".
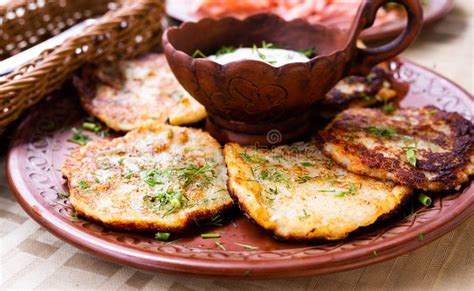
{"x": 351, "y": 191}
{"x": 249, "y": 247}
{"x": 388, "y": 108}
{"x": 370, "y": 78}
{"x": 303, "y": 179}
{"x": 252, "y": 159}
{"x": 74, "y": 216}
{"x": 92, "y": 124}
{"x": 308, "y": 52}
{"x": 169, "y": 201}
{"x": 63, "y": 194}
{"x": 328, "y": 191}
{"x": 273, "y": 175}
{"x": 225, "y": 50}
{"x": 424, "y": 199}
{"x": 163, "y": 236}
{"x": 78, "y": 137}
{"x": 305, "y": 215}
{"x": 198, "y": 53}
{"x": 170, "y": 133}
{"x": 216, "y": 220}
{"x": 329, "y": 164}
{"x": 266, "y": 45}
{"x": 272, "y": 191}
{"x": 421, "y": 236}
{"x": 210, "y": 235}
{"x": 154, "y": 177}
{"x": 220, "y": 245}
{"x": 306, "y": 164}
{"x": 83, "y": 185}
{"x": 411, "y": 156}
{"x": 191, "y": 174}
{"x": 381, "y": 132}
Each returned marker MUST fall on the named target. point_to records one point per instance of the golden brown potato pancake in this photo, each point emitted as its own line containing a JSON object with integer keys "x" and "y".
{"x": 159, "y": 178}
{"x": 358, "y": 91}
{"x": 135, "y": 93}
{"x": 299, "y": 194}
{"x": 424, "y": 148}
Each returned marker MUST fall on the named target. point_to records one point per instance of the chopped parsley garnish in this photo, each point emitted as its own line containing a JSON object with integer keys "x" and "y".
{"x": 306, "y": 164}
{"x": 210, "y": 235}
{"x": 308, "y": 52}
{"x": 381, "y": 132}
{"x": 163, "y": 236}
{"x": 388, "y": 108}
{"x": 78, "y": 137}
{"x": 249, "y": 247}
{"x": 252, "y": 159}
{"x": 327, "y": 191}
{"x": 198, "y": 53}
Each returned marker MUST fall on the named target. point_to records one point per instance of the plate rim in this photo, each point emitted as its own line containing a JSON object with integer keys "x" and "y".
{"x": 381, "y": 32}
{"x": 263, "y": 268}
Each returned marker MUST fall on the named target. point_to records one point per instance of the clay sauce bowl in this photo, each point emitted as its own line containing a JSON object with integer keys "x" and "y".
{"x": 252, "y": 102}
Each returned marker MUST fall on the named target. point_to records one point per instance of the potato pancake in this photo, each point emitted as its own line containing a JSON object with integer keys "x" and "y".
{"x": 135, "y": 93}
{"x": 357, "y": 91}
{"x": 159, "y": 178}
{"x": 297, "y": 193}
{"x": 424, "y": 148}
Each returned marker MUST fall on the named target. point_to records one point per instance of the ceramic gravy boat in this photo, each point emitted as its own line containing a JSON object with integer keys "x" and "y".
{"x": 252, "y": 102}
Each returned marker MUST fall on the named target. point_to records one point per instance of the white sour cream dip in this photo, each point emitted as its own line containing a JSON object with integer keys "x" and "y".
{"x": 273, "y": 56}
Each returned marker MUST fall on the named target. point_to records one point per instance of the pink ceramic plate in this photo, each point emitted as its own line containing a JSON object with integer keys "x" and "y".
{"x": 434, "y": 10}
{"x": 39, "y": 146}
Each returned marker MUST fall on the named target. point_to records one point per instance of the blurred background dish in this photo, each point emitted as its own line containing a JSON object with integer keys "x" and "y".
{"x": 340, "y": 13}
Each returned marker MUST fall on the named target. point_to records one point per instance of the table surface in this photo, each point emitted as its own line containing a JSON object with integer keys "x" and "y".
{"x": 33, "y": 258}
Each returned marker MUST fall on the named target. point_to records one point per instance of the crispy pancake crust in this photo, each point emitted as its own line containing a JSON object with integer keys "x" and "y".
{"x": 134, "y": 93}
{"x": 297, "y": 193}
{"x": 369, "y": 142}
{"x": 162, "y": 178}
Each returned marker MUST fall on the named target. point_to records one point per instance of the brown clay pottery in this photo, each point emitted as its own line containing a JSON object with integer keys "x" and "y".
{"x": 252, "y": 102}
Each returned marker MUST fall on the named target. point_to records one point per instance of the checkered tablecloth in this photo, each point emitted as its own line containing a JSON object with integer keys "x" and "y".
{"x": 33, "y": 258}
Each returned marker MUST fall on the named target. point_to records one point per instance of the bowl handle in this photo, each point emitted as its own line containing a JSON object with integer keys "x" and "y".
{"x": 369, "y": 57}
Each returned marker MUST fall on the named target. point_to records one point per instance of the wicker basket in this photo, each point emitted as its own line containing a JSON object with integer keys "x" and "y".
{"x": 129, "y": 28}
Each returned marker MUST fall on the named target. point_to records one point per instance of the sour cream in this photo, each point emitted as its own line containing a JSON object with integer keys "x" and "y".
{"x": 273, "y": 56}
